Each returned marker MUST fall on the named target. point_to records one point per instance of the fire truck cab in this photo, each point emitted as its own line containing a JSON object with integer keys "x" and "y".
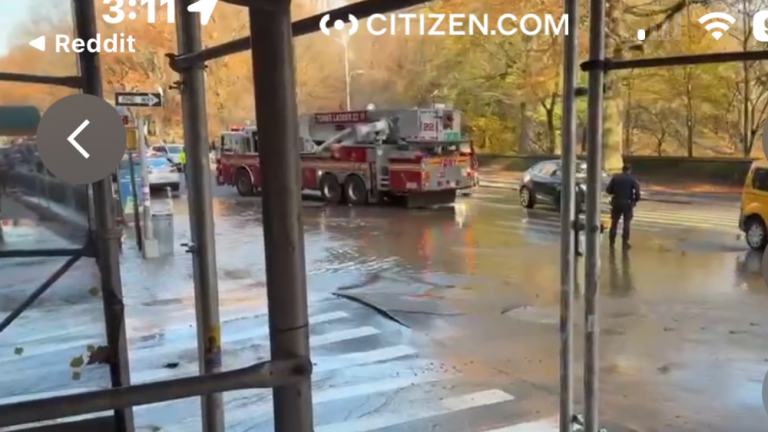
{"x": 415, "y": 156}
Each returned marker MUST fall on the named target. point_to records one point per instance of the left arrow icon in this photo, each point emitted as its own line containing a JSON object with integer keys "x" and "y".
{"x": 38, "y": 43}
{"x": 74, "y": 143}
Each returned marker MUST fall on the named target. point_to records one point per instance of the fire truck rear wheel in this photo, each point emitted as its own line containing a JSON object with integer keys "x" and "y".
{"x": 330, "y": 189}
{"x": 243, "y": 183}
{"x": 355, "y": 191}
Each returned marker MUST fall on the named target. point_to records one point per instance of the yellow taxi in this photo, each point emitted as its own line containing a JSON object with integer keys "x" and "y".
{"x": 754, "y": 206}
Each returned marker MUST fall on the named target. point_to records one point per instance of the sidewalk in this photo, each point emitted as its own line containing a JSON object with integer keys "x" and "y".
{"x": 680, "y": 193}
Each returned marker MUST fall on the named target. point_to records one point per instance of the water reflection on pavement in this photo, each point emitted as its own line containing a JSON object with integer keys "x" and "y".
{"x": 455, "y": 311}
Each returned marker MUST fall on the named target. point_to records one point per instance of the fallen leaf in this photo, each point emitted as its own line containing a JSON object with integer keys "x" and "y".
{"x": 90, "y": 349}
{"x": 18, "y": 351}
{"x": 76, "y": 375}
{"x": 77, "y": 362}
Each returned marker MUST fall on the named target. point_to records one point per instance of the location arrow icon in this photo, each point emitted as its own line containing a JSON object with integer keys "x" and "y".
{"x": 38, "y": 43}
{"x": 205, "y": 7}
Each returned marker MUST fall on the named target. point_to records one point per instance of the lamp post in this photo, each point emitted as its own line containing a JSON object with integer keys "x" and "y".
{"x": 344, "y": 41}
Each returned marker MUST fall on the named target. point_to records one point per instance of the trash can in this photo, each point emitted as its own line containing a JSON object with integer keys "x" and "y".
{"x": 162, "y": 228}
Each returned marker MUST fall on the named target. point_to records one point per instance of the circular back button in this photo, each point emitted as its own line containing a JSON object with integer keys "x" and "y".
{"x": 81, "y": 139}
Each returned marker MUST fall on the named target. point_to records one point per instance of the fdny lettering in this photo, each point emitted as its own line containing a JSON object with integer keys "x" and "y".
{"x": 342, "y": 117}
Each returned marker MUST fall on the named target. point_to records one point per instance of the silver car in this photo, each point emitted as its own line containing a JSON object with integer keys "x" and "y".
{"x": 161, "y": 172}
{"x": 171, "y": 151}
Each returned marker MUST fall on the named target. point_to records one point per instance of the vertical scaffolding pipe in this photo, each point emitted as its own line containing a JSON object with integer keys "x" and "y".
{"x": 568, "y": 217}
{"x": 146, "y": 198}
{"x": 277, "y": 119}
{"x": 594, "y": 191}
{"x": 199, "y": 194}
{"x": 107, "y": 235}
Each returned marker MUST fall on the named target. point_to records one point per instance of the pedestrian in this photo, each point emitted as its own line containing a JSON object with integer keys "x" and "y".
{"x": 183, "y": 163}
{"x": 625, "y": 193}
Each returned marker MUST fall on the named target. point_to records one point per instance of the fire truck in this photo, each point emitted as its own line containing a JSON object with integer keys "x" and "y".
{"x": 417, "y": 157}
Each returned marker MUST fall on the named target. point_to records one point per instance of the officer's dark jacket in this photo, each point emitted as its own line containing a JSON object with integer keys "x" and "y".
{"x": 624, "y": 189}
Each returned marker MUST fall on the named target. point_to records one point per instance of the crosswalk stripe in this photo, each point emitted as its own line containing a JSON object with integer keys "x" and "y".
{"x": 720, "y": 221}
{"x": 447, "y": 406}
{"x": 250, "y": 334}
{"x": 547, "y": 425}
{"x": 344, "y": 361}
{"x": 353, "y": 376}
{"x": 244, "y": 411}
{"x": 324, "y": 363}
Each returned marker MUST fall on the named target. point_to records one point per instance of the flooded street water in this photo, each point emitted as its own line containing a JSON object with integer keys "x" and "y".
{"x": 439, "y": 320}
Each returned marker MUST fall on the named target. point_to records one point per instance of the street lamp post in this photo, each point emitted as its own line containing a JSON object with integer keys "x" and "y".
{"x": 344, "y": 40}
{"x": 349, "y": 92}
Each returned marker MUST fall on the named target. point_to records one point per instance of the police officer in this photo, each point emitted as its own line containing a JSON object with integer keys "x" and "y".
{"x": 625, "y": 193}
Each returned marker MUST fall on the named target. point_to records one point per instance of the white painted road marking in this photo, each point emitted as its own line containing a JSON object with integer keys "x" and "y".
{"x": 449, "y": 405}
{"x": 548, "y": 425}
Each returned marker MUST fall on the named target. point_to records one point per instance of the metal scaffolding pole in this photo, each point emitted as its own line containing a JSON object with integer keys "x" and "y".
{"x": 199, "y": 195}
{"x": 568, "y": 233}
{"x": 106, "y": 233}
{"x": 277, "y": 119}
{"x": 594, "y": 191}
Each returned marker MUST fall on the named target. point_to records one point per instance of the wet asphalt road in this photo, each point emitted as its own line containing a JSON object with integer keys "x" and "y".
{"x": 467, "y": 341}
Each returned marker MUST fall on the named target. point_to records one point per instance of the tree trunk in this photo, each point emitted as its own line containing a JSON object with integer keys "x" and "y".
{"x": 613, "y": 103}
{"x": 690, "y": 122}
{"x": 689, "y": 109}
{"x": 524, "y": 146}
{"x": 747, "y": 112}
{"x": 551, "y": 130}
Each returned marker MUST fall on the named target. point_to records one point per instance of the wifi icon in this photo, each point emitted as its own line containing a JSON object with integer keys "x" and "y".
{"x": 717, "y": 25}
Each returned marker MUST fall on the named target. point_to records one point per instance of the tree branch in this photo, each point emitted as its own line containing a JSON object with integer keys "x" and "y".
{"x": 669, "y": 14}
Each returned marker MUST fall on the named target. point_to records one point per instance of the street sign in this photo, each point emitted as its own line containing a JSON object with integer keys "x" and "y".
{"x": 152, "y": 100}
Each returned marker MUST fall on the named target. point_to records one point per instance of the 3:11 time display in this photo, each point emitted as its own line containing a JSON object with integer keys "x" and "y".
{"x": 116, "y": 13}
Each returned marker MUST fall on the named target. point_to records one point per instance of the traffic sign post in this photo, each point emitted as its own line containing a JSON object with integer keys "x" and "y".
{"x": 144, "y": 99}
{"x": 150, "y": 244}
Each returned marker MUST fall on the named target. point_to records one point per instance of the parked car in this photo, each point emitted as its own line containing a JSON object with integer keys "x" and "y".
{"x": 171, "y": 151}
{"x": 542, "y": 184}
{"x": 162, "y": 173}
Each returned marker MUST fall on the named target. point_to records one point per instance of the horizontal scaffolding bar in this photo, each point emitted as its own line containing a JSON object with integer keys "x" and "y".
{"x": 302, "y": 27}
{"x": 42, "y": 253}
{"x": 686, "y": 60}
{"x": 261, "y": 375}
{"x": 64, "y": 81}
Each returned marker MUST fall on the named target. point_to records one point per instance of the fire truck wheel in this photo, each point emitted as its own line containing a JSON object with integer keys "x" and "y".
{"x": 330, "y": 189}
{"x": 243, "y": 183}
{"x": 355, "y": 191}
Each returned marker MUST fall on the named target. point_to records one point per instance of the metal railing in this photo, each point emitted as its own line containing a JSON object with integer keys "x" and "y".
{"x": 45, "y": 187}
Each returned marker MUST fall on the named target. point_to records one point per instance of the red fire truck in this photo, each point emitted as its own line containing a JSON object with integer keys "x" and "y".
{"x": 415, "y": 156}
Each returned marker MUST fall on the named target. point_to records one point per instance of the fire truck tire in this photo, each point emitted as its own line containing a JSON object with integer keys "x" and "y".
{"x": 355, "y": 191}
{"x": 243, "y": 183}
{"x": 330, "y": 189}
